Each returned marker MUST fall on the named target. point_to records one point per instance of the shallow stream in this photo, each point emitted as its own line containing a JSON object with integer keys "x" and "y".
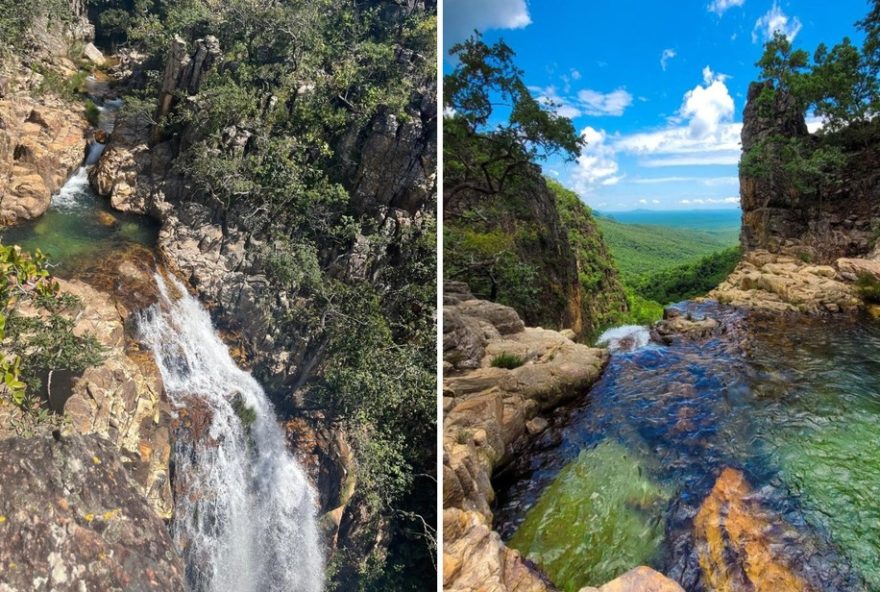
{"x": 791, "y": 403}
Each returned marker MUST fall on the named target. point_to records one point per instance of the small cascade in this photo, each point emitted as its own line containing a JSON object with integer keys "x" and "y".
{"x": 625, "y": 338}
{"x": 76, "y": 193}
{"x": 245, "y": 512}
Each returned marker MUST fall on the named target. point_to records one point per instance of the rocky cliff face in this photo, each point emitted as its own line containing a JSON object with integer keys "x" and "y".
{"x": 571, "y": 282}
{"x": 42, "y": 141}
{"x": 387, "y": 166}
{"x": 72, "y": 519}
{"x": 838, "y": 220}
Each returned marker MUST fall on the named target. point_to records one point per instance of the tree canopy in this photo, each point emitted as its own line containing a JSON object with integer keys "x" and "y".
{"x": 482, "y": 155}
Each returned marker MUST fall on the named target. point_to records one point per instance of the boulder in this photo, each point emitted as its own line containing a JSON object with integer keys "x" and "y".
{"x": 41, "y": 143}
{"x": 640, "y": 579}
{"x": 490, "y": 412}
{"x": 94, "y": 55}
{"x": 783, "y": 283}
{"x": 71, "y": 519}
{"x": 741, "y": 545}
{"x": 852, "y": 269}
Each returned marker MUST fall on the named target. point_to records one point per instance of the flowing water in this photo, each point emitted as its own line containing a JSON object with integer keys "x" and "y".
{"x": 80, "y": 230}
{"x": 245, "y": 512}
{"x": 791, "y": 403}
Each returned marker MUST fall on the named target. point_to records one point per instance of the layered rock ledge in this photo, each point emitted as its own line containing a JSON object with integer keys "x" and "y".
{"x": 490, "y": 412}
{"x": 784, "y": 283}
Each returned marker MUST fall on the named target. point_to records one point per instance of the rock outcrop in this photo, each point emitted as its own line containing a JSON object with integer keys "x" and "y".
{"x": 42, "y": 141}
{"x": 640, "y": 579}
{"x": 545, "y": 236}
{"x": 837, "y": 220}
{"x": 71, "y": 519}
{"x": 787, "y": 284}
{"x": 741, "y": 545}
{"x": 490, "y": 412}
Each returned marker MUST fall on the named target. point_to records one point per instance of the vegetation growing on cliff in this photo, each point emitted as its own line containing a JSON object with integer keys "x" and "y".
{"x": 511, "y": 235}
{"x": 270, "y": 141}
{"x": 36, "y": 329}
{"x": 840, "y": 86}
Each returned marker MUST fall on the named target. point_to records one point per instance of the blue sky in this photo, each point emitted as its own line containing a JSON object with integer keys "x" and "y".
{"x": 657, "y": 88}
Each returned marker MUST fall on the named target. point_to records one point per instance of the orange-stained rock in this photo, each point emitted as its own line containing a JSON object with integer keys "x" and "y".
{"x": 739, "y": 543}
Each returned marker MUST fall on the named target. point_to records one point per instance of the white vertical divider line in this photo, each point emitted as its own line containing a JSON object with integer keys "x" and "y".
{"x": 440, "y": 9}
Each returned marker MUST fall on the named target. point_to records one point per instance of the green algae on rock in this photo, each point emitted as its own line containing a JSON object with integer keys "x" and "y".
{"x": 601, "y": 516}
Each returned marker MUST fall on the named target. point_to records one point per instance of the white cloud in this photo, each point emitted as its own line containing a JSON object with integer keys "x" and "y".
{"x": 461, "y": 17}
{"x": 709, "y": 137}
{"x": 667, "y": 55}
{"x": 707, "y": 181}
{"x": 585, "y": 102}
{"x": 655, "y": 201}
{"x": 643, "y": 201}
{"x": 720, "y": 6}
{"x": 575, "y": 75}
{"x": 597, "y": 164}
{"x": 775, "y": 21}
{"x": 597, "y": 103}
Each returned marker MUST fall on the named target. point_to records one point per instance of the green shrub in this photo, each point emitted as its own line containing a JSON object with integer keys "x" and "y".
{"x": 508, "y": 361}
{"x": 869, "y": 288}
{"x": 92, "y": 112}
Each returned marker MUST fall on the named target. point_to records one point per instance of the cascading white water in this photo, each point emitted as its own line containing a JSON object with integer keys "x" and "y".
{"x": 74, "y": 193}
{"x": 625, "y": 338}
{"x": 246, "y": 518}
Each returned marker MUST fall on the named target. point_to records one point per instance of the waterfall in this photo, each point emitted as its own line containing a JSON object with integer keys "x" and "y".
{"x": 245, "y": 520}
{"x": 625, "y": 338}
{"x": 75, "y": 193}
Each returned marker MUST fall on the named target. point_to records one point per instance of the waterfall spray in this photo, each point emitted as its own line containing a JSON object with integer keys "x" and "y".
{"x": 245, "y": 518}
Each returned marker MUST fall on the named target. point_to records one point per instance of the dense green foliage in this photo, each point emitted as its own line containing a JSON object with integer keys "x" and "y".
{"x": 838, "y": 84}
{"x": 484, "y": 157}
{"x": 660, "y": 265}
{"x": 689, "y": 280}
{"x": 41, "y": 340}
{"x": 641, "y": 249}
{"x": 267, "y": 140}
{"x": 514, "y": 237}
{"x": 18, "y": 16}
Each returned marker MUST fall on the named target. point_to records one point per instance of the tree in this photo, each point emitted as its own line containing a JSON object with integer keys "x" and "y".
{"x": 842, "y": 85}
{"x": 481, "y": 156}
{"x": 784, "y": 66}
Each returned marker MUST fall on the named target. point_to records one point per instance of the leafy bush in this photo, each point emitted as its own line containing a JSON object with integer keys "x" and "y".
{"x": 93, "y": 114}
{"x": 32, "y": 344}
{"x": 869, "y": 288}
{"x": 507, "y": 361}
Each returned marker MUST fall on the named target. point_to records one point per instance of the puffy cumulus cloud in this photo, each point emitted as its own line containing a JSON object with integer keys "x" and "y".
{"x": 773, "y": 21}
{"x": 461, "y": 17}
{"x": 719, "y": 7}
{"x": 667, "y": 55}
{"x": 703, "y": 133}
{"x": 707, "y": 106}
{"x": 585, "y": 102}
{"x": 597, "y": 164}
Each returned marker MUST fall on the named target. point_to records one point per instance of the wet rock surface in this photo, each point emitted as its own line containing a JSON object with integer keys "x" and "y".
{"x": 640, "y": 579}
{"x": 41, "y": 144}
{"x": 72, "y": 519}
